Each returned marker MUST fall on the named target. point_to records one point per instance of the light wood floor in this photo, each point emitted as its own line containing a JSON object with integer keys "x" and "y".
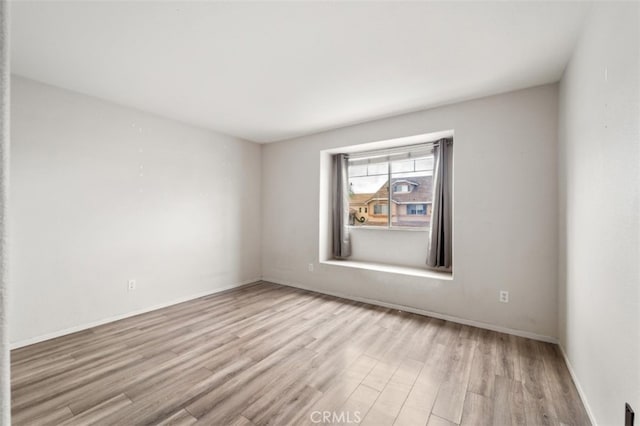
{"x": 268, "y": 354}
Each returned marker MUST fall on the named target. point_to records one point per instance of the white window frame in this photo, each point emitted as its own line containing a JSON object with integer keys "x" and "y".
{"x": 399, "y": 153}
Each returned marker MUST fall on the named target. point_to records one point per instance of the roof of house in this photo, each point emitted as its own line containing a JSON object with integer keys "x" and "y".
{"x": 410, "y": 182}
{"x": 422, "y": 192}
{"x": 359, "y": 198}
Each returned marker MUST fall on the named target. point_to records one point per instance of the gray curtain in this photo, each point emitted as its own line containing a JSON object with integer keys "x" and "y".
{"x": 341, "y": 241}
{"x": 440, "y": 253}
{"x": 5, "y": 388}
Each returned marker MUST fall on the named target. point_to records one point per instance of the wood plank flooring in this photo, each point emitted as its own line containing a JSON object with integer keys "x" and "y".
{"x": 271, "y": 355}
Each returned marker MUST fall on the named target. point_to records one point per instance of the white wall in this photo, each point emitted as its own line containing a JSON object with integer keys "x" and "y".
{"x": 103, "y": 193}
{"x": 599, "y": 273}
{"x": 407, "y": 248}
{"x": 505, "y": 219}
{"x": 5, "y": 380}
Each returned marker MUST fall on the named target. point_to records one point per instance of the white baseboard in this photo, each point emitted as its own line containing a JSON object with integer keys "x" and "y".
{"x": 451, "y": 318}
{"x": 583, "y": 397}
{"x": 53, "y": 335}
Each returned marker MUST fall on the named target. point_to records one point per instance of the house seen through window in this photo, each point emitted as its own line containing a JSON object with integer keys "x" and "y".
{"x": 391, "y": 189}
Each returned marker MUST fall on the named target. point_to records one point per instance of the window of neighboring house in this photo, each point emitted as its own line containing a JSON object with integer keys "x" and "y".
{"x": 402, "y": 177}
{"x": 416, "y": 209}
{"x": 381, "y": 209}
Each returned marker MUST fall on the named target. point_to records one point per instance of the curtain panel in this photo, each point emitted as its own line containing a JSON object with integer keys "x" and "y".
{"x": 440, "y": 238}
{"x": 341, "y": 240}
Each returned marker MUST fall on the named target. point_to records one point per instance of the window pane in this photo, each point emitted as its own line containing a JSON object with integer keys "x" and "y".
{"x": 403, "y": 166}
{"x": 360, "y": 170}
{"x": 412, "y": 195}
{"x": 378, "y": 169}
{"x": 412, "y": 165}
{"x": 424, "y": 164}
{"x": 368, "y": 195}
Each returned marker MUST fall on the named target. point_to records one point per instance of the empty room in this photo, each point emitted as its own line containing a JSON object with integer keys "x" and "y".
{"x": 320, "y": 213}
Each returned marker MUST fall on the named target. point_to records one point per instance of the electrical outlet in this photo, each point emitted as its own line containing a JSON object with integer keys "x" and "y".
{"x": 504, "y": 296}
{"x": 311, "y": 267}
{"x": 628, "y": 415}
{"x": 131, "y": 285}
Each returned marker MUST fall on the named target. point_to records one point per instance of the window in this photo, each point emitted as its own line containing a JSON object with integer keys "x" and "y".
{"x": 416, "y": 209}
{"x": 397, "y": 182}
{"x": 381, "y": 209}
{"x": 396, "y": 185}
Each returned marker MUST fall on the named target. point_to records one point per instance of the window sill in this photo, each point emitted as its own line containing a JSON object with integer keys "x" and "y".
{"x": 392, "y": 269}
